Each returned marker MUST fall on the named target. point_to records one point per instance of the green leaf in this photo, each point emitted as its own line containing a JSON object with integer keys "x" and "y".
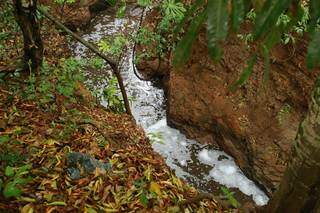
{"x": 139, "y": 183}
{"x": 314, "y": 13}
{"x": 268, "y": 15}
{"x": 1, "y": 184}
{"x": 229, "y": 194}
{"x": 21, "y": 170}
{"x": 4, "y": 138}
{"x": 122, "y": 11}
{"x": 266, "y": 55}
{"x": 245, "y": 74}
{"x": 22, "y": 181}
{"x": 237, "y": 13}
{"x": 104, "y": 46}
{"x": 183, "y": 49}
{"x": 272, "y": 38}
{"x": 217, "y": 28}
{"x": 189, "y": 14}
{"x": 9, "y": 172}
{"x": 144, "y": 3}
{"x": 313, "y": 56}
{"x": 173, "y": 10}
{"x": 10, "y": 190}
{"x": 143, "y": 199}
{"x": 112, "y": 2}
{"x": 233, "y": 202}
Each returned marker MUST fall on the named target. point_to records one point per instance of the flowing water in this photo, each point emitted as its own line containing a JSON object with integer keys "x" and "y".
{"x": 200, "y": 165}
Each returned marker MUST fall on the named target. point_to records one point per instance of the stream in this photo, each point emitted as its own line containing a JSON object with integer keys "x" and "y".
{"x": 200, "y": 165}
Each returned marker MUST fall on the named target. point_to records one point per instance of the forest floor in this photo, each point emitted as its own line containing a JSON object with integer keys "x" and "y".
{"x": 60, "y": 151}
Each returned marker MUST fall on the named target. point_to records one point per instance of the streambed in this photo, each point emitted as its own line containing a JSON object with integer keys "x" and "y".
{"x": 200, "y": 165}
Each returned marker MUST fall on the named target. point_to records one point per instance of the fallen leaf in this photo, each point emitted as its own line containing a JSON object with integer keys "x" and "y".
{"x": 57, "y": 203}
{"x": 154, "y": 187}
{"x": 27, "y": 208}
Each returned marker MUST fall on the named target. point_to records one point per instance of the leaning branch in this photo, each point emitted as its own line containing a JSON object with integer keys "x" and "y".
{"x": 90, "y": 46}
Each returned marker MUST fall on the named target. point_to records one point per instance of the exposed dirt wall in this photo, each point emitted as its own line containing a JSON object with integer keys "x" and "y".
{"x": 255, "y": 124}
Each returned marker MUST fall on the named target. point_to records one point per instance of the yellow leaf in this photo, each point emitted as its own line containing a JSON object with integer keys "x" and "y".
{"x": 57, "y": 203}
{"x": 154, "y": 187}
{"x": 51, "y": 142}
{"x": 89, "y": 210}
{"x": 176, "y": 181}
{"x": 27, "y": 208}
{"x": 54, "y": 184}
{"x": 174, "y": 209}
{"x": 27, "y": 199}
{"x": 48, "y": 197}
{"x": 147, "y": 173}
{"x": 59, "y": 161}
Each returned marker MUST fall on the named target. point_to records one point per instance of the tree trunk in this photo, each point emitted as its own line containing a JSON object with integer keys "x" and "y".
{"x": 299, "y": 190}
{"x": 25, "y": 13}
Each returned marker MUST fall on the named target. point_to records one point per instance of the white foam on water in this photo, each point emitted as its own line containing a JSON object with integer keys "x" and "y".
{"x": 227, "y": 173}
{"x": 170, "y": 148}
{"x": 147, "y": 107}
{"x": 175, "y": 149}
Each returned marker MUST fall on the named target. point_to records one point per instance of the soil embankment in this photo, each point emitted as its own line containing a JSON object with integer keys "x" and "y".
{"x": 255, "y": 124}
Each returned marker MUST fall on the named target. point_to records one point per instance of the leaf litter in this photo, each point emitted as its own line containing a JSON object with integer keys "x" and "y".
{"x": 137, "y": 180}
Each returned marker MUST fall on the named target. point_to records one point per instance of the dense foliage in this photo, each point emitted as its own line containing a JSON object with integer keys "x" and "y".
{"x": 272, "y": 22}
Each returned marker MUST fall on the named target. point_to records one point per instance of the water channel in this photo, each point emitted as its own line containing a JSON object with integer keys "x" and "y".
{"x": 200, "y": 165}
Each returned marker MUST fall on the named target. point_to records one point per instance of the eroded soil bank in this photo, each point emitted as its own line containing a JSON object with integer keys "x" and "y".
{"x": 255, "y": 124}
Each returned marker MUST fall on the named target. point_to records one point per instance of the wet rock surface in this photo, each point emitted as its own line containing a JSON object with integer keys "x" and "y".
{"x": 80, "y": 165}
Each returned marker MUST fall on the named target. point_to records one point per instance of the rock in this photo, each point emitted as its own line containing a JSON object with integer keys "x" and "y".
{"x": 154, "y": 68}
{"x": 74, "y": 173}
{"x": 79, "y": 14}
{"x": 80, "y": 165}
{"x": 78, "y": 18}
{"x": 222, "y": 157}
